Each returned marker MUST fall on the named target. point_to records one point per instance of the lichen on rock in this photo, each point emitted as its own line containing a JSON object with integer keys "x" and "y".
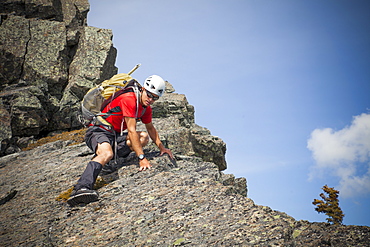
{"x": 49, "y": 59}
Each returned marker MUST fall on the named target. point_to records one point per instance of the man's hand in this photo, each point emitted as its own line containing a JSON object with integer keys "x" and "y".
{"x": 166, "y": 151}
{"x": 155, "y": 137}
{"x": 144, "y": 164}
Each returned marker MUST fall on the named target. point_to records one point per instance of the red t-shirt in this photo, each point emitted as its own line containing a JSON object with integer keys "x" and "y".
{"x": 125, "y": 106}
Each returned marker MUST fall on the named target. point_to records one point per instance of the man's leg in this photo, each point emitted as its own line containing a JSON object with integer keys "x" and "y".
{"x": 104, "y": 153}
{"x": 124, "y": 147}
{"x": 143, "y": 137}
{"x": 83, "y": 190}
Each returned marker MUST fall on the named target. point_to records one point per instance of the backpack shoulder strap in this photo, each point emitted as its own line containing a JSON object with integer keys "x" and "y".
{"x": 114, "y": 96}
{"x": 130, "y": 87}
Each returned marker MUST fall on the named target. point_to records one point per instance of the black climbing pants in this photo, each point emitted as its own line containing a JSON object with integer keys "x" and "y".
{"x": 88, "y": 178}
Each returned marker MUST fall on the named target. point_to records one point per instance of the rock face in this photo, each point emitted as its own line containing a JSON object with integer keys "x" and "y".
{"x": 191, "y": 204}
{"x": 49, "y": 58}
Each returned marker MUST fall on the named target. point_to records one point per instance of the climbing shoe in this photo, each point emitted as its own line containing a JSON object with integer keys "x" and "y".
{"x": 82, "y": 195}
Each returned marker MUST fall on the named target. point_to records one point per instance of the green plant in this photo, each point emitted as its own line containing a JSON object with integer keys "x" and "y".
{"x": 329, "y": 205}
{"x": 99, "y": 183}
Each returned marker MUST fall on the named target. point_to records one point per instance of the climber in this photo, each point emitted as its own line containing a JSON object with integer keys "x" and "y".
{"x": 110, "y": 141}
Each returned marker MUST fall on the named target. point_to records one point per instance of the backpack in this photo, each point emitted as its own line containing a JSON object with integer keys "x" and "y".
{"x": 98, "y": 97}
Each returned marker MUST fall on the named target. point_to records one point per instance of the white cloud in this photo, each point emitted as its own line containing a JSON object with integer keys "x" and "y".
{"x": 344, "y": 153}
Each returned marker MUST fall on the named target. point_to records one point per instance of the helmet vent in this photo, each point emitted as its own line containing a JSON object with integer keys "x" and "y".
{"x": 155, "y": 84}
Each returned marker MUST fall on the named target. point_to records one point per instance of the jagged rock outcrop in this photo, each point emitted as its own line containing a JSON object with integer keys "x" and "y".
{"x": 173, "y": 116}
{"x": 49, "y": 58}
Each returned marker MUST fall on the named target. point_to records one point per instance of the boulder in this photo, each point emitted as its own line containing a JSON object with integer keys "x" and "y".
{"x": 14, "y": 38}
{"x": 49, "y": 58}
{"x": 92, "y": 63}
{"x": 28, "y": 115}
{"x": 72, "y": 12}
{"x": 5, "y": 127}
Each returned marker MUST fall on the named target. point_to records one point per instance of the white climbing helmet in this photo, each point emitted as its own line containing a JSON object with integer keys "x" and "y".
{"x": 155, "y": 84}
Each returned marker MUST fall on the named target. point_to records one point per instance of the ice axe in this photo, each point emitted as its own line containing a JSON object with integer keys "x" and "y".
{"x": 135, "y": 68}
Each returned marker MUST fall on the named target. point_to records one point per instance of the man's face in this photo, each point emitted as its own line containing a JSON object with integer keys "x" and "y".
{"x": 148, "y": 98}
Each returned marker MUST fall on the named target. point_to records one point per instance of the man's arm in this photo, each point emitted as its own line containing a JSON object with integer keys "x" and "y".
{"x": 153, "y": 133}
{"x": 135, "y": 142}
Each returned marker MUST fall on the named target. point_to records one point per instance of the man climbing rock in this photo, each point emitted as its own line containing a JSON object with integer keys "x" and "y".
{"x": 108, "y": 139}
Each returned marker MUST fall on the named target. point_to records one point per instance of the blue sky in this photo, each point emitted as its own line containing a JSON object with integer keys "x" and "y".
{"x": 286, "y": 84}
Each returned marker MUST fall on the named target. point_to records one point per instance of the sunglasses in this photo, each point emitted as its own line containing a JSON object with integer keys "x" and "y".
{"x": 152, "y": 96}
